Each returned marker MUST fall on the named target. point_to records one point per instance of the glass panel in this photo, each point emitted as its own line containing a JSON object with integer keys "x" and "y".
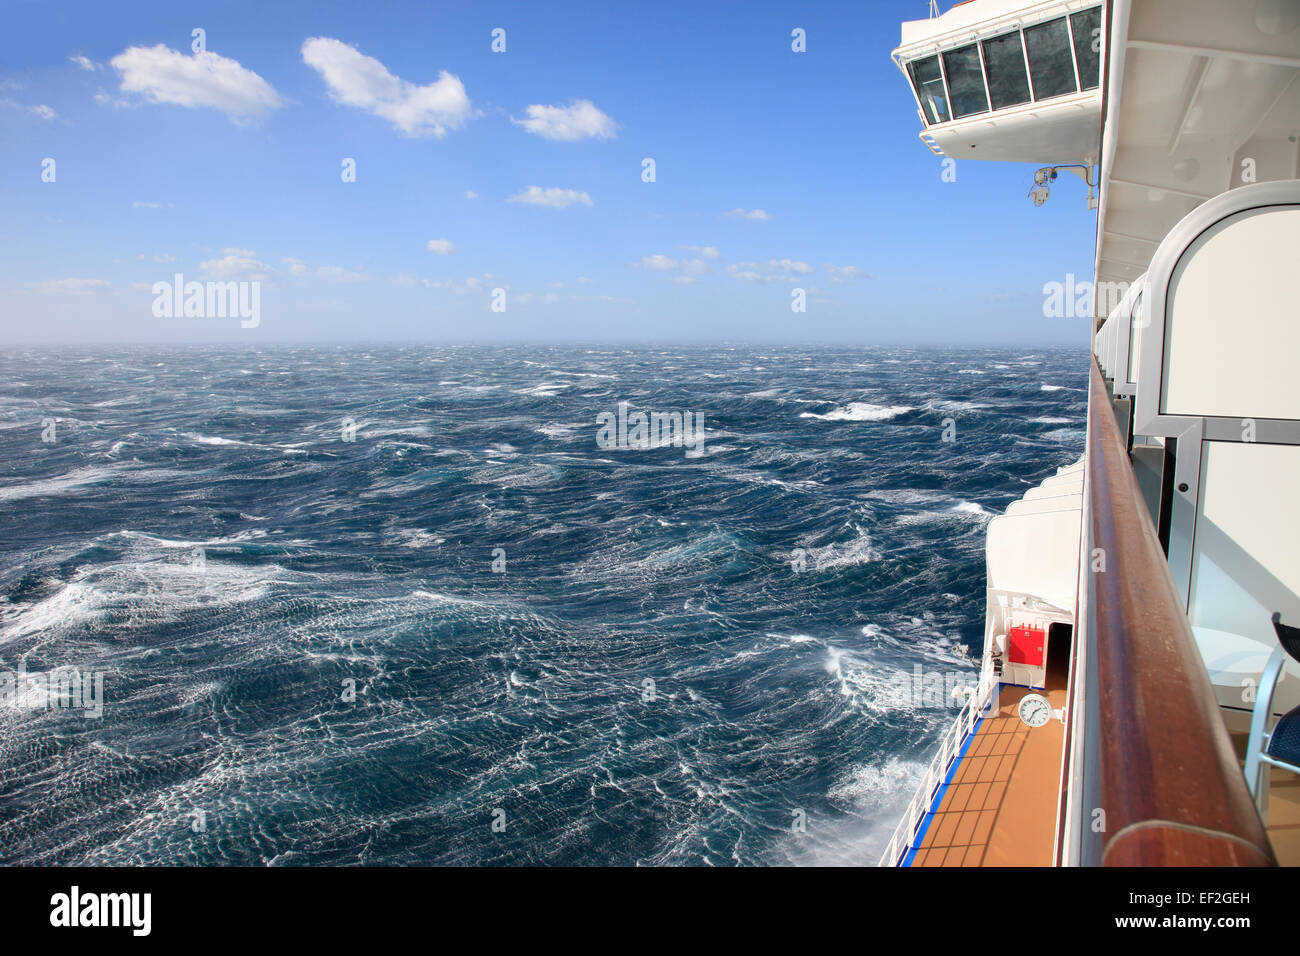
{"x": 1005, "y": 62}
{"x": 966, "y": 81}
{"x": 1087, "y": 46}
{"x": 1050, "y": 65}
{"x": 928, "y": 83}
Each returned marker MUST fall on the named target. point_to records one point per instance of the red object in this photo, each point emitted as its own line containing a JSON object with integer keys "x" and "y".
{"x": 1025, "y": 645}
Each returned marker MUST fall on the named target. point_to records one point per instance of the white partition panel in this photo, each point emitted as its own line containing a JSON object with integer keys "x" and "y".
{"x": 1115, "y": 371}
{"x": 1233, "y": 336}
{"x": 1108, "y": 339}
{"x": 1219, "y": 331}
{"x": 1136, "y": 321}
{"x": 1246, "y": 548}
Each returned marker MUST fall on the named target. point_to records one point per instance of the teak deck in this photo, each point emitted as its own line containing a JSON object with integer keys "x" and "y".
{"x": 1283, "y": 823}
{"x": 1000, "y": 807}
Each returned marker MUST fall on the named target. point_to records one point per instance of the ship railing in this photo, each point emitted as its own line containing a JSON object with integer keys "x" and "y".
{"x": 1153, "y": 779}
{"x": 936, "y": 774}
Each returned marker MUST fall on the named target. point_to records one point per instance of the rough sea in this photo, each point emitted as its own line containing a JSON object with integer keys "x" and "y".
{"x": 398, "y": 606}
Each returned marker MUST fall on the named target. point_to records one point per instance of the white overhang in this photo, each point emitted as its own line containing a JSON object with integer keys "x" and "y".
{"x": 1203, "y": 97}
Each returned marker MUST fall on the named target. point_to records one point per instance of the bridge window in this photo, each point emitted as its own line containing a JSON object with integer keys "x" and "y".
{"x": 927, "y": 79}
{"x": 966, "y": 81}
{"x": 991, "y": 74}
{"x": 1086, "y": 27}
{"x": 1051, "y": 64}
{"x": 1004, "y": 62}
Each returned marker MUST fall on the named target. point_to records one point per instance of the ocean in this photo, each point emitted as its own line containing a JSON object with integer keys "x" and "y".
{"x": 406, "y": 605}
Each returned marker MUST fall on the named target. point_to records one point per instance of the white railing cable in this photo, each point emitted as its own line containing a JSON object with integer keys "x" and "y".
{"x": 949, "y": 747}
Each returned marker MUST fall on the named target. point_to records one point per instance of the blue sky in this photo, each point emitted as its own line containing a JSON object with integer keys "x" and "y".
{"x": 229, "y": 168}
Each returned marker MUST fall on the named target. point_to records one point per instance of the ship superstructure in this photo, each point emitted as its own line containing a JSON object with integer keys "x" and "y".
{"x": 1132, "y": 668}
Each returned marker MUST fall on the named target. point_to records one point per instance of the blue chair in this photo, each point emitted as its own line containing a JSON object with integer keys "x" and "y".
{"x": 1281, "y": 747}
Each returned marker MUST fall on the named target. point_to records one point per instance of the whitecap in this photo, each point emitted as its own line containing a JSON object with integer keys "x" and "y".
{"x": 860, "y": 412}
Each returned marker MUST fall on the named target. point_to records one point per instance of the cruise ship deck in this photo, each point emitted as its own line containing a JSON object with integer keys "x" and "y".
{"x": 999, "y": 809}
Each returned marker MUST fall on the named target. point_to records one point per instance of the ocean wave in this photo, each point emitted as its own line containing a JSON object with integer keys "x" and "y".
{"x": 961, "y": 511}
{"x": 839, "y": 554}
{"x": 558, "y": 431}
{"x": 369, "y": 565}
{"x": 951, "y": 405}
{"x": 74, "y": 480}
{"x": 861, "y": 412}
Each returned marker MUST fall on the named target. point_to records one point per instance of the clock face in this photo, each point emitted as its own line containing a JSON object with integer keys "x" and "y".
{"x": 1035, "y": 710}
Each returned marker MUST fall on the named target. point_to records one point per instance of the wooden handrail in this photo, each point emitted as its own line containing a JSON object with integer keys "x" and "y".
{"x": 1170, "y": 784}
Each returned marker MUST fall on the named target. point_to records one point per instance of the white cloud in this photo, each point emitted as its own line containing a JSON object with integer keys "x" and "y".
{"x": 553, "y": 197}
{"x": 355, "y": 79}
{"x": 579, "y": 120}
{"x": 708, "y": 252}
{"x": 843, "y": 273}
{"x": 470, "y": 194}
{"x": 73, "y": 286}
{"x": 236, "y": 264}
{"x": 470, "y": 284}
{"x": 585, "y": 281}
{"x": 164, "y": 258}
{"x": 756, "y": 215}
{"x": 690, "y": 268}
{"x": 148, "y": 204}
{"x": 87, "y": 64}
{"x": 41, "y": 110}
{"x": 790, "y": 265}
{"x": 163, "y": 75}
{"x": 773, "y": 270}
{"x": 339, "y": 274}
{"x": 442, "y": 247}
{"x": 299, "y": 268}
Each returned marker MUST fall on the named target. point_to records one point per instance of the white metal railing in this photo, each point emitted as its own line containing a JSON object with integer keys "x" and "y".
{"x": 949, "y": 748}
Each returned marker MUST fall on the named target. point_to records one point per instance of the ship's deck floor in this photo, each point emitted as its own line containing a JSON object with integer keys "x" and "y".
{"x": 1283, "y": 823}
{"x": 1000, "y": 807}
